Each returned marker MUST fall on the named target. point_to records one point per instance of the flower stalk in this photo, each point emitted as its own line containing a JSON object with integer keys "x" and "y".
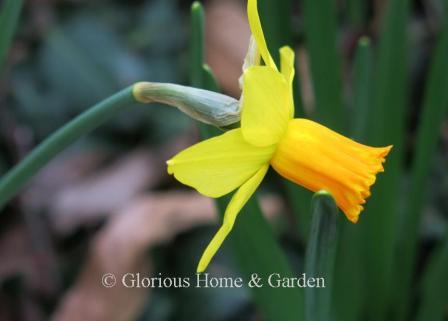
{"x": 202, "y": 105}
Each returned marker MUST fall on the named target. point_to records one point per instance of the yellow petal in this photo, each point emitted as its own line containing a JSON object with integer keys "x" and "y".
{"x": 257, "y": 31}
{"x": 287, "y": 69}
{"x": 316, "y": 157}
{"x": 265, "y": 111}
{"x": 219, "y": 165}
{"x": 287, "y": 63}
{"x": 237, "y": 202}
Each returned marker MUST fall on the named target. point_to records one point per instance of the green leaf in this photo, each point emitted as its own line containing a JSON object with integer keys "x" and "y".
{"x": 362, "y": 89}
{"x": 252, "y": 240}
{"x": 320, "y": 34}
{"x": 434, "y": 296}
{"x": 435, "y": 106}
{"x": 257, "y": 251}
{"x": 275, "y": 18}
{"x": 300, "y": 201}
{"x": 197, "y": 45}
{"x": 351, "y": 247}
{"x": 387, "y": 122}
{"x": 357, "y": 13}
{"x": 9, "y": 17}
{"x": 320, "y": 256}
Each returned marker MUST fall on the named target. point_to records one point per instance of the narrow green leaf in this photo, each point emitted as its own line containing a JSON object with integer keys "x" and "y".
{"x": 210, "y": 81}
{"x": 434, "y": 296}
{"x": 320, "y": 256}
{"x": 320, "y": 32}
{"x": 300, "y": 201}
{"x": 435, "y": 106}
{"x": 276, "y": 21}
{"x": 362, "y": 89}
{"x": 257, "y": 251}
{"x": 9, "y": 17}
{"x": 387, "y": 124}
{"x": 351, "y": 248}
{"x": 197, "y": 45}
{"x": 357, "y": 13}
{"x": 252, "y": 240}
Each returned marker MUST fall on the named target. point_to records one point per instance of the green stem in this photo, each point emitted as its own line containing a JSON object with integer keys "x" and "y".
{"x": 320, "y": 256}
{"x": 14, "y": 180}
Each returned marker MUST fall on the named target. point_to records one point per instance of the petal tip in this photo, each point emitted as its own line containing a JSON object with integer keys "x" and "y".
{"x": 169, "y": 168}
{"x": 200, "y": 268}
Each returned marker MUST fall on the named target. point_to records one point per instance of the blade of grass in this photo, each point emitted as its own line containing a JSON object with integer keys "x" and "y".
{"x": 357, "y": 13}
{"x": 197, "y": 45}
{"x": 434, "y": 298}
{"x": 435, "y": 106}
{"x": 252, "y": 240}
{"x": 300, "y": 202}
{"x": 9, "y": 17}
{"x": 387, "y": 127}
{"x": 320, "y": 256}
{"x": 320, "y": 33}
{"x": 350, "y": 256}
{"x": 362, "y": 89}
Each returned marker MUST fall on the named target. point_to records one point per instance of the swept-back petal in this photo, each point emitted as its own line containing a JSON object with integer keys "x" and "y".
{"x": 257, "y": 31}
{"x": 219, "y": 165}
{"x": 265, "y": 111}
{"x": 237, "y": 202}
{"x": 252, "y": 58}
{"x": 287, "y": 70}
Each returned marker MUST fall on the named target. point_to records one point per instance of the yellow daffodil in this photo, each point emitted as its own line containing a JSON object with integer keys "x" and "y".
{"x": 300, "y": 150}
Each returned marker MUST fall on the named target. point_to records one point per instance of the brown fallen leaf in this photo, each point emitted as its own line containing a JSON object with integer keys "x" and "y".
{"x": 226, "y": 38}
{"x": 97, "y": 195}
{"x": 15, "y": 253}
{"x": 66, "y": 169}
{"x": 22, "y": 260}
{"x": 122, "y": 246}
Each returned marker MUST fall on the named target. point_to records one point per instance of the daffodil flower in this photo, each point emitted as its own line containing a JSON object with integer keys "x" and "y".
{"x": 300, "y": 150}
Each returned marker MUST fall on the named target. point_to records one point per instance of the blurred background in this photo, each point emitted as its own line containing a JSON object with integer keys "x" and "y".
{"x": 107, "y": 204}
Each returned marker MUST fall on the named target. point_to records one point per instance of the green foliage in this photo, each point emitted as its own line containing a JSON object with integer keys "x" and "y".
{"x": 350, "y": 257}
{"x": 432, "y": 288}
{"x": 320, "y": 33}
{"x": 387, "y": 127}
{"x": 9, "y": 16}
{"x": 435, "y": 106}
